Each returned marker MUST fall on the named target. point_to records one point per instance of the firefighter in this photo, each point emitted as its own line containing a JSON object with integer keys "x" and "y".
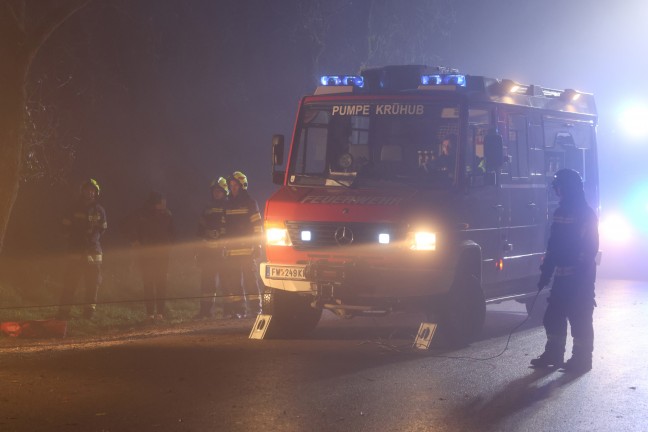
{"x": 83, "y": 227}
{"x": 570, "y": 259}
{"x": 244, "y": 235}
{"x": 211, "y": 230}
{"x": 151, "y": 233}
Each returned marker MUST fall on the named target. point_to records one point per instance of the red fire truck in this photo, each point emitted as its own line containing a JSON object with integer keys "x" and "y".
{"x": 419, "y": 188}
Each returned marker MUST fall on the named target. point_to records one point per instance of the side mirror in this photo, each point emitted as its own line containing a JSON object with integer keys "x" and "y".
{"x": 277, "y": 150}
{"x": 493, "y": 151}
{"x": 277, "y": 159}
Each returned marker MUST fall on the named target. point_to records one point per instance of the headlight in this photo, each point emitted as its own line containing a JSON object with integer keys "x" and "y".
{"x": 276, "y": 234}
{"x": 422, "y": 241}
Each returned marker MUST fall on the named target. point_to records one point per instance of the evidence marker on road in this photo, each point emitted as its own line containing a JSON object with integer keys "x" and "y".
{"x": 425, "y": 335}
{"x": 260, "y": 327}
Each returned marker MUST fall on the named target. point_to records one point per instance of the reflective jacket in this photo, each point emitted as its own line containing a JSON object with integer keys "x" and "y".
{"x": 84, "y": 225}
{"x": 573, "y": 242}
{"x": 243, "y": 226}
{"x": 212, "y": 221}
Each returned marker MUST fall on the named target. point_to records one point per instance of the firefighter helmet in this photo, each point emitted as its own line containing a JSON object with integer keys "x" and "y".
{"x": 568, "y": 180}
{"x": 90, "y": 182}
{"x": 240, "y": 178}
{"x": 220, "y": 182}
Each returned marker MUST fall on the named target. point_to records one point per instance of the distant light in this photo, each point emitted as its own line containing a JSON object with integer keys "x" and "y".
{"x": 615, "y": 228}
{"x": 342, "y": 80}
{"x": 634, "y": 121}
{"x": 383, "y": 238}
{"x": 306, "y": 236}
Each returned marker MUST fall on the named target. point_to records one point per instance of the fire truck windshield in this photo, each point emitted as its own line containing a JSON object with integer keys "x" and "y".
{"x": 367, "y": 144}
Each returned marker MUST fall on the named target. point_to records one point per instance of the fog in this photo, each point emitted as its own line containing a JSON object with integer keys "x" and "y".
{"x": 168, "y": 95}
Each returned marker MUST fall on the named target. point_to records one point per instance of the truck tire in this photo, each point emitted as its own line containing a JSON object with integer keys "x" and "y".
{"x": 463, "y": 318}
{"x": 292, "y": 314}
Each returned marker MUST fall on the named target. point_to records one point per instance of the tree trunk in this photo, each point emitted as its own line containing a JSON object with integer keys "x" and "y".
{"x": 12, "y": 111}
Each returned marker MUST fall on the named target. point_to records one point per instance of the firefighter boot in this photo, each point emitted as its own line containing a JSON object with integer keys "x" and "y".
{"x": 554, "y": 353}
{"x": 581, "y": 359}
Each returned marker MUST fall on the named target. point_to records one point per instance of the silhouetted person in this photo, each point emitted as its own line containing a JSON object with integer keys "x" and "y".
{"x": 570, "y": 259}
{"x": 151, "y": 233}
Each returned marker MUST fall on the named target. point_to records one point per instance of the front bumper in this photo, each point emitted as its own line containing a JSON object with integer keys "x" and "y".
{"x": 363, "y": 279}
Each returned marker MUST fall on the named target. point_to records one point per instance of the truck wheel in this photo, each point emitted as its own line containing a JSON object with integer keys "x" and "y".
{"x": 292, "y": 314}
{"x": 463, "y": 318}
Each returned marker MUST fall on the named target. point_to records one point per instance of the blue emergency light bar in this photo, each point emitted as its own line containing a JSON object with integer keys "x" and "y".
{"x": 447, "y": 79}
{"x": 342, "y": 80}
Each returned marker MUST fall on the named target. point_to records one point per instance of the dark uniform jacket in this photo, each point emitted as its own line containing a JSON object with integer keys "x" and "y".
{"x": 212, "y": 220}
{"x": 243, "y": 226}
{"x": 84, "y": 224}
{"x": 151, "y": 227}
{"x": 573, "y": 243}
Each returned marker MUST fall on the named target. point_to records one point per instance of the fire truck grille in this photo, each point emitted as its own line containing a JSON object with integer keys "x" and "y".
{"x": 313, "y": 235}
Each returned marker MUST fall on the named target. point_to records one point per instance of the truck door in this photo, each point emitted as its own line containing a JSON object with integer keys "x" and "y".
{"x": 523, "y": 195}
{"x": 481, "y": 208}
{"x": 570, "y": 143}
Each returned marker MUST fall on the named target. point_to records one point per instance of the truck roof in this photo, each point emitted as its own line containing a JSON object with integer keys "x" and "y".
{"x": 421, "y": 79}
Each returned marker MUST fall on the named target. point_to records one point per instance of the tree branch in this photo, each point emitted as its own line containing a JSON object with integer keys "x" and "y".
{"x": 53, "y": 22}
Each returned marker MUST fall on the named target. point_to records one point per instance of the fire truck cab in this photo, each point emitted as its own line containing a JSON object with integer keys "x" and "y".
{"x": 419, "y": 188}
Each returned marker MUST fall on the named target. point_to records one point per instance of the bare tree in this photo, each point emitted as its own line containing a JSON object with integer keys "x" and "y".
{"x": 21, "y": 37}
{"x": 368, "y": 33}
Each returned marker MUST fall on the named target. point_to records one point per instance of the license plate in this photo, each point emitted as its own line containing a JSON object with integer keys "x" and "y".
{"x": 285, "y": 272}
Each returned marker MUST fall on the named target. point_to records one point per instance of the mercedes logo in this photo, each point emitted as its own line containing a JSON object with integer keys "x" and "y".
{"x": 343, "y": 236}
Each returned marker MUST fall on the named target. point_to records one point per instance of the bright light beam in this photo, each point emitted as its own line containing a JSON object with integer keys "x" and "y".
{"x": 615, "y": 228}
{"x": 634, "y": 121}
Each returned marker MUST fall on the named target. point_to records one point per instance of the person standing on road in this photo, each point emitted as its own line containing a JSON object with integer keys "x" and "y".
{"x": 83, "y": 227}
{"x": 151, "y": 233}
{"x": 571, "y": 260}
{"x": 210, "y": 256}
{"x": 244, "y": 230}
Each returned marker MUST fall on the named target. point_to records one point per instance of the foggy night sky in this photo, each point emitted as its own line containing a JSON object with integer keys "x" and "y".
{"x": 169, "y": 94}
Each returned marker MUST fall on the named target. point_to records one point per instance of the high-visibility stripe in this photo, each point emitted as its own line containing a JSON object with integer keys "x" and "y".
{"x": 214, "y": 211}
{"x": 237, "y": 211}
{"x": 565, "y": 271}
{"x": 255, "y": 217}
{"x": 94, "y": 258}
{"x": 240, "y": 252}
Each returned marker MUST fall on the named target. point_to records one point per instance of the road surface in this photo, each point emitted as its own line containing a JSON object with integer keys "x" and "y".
{"x": 351, "y": 375}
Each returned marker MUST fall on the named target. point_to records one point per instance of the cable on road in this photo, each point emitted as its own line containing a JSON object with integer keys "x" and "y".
{"x": 408, "y": 348}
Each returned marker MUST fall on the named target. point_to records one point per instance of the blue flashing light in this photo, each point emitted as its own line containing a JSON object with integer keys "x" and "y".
{"x": 458, "y": 80}
{"x": 448, "y": 79}
{"x": 342, "y": 80}
{"x": 431, "y": 79}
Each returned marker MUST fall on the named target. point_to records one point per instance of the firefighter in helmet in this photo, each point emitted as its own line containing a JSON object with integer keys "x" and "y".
{"x": 570, "y": 259}
{"x": 83, "y": 226}
{"x": 211, "y": 229}
{"x": 244, "y": 236}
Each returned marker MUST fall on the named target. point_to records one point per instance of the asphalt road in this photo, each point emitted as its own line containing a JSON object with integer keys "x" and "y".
{"x": 356, "y": 375}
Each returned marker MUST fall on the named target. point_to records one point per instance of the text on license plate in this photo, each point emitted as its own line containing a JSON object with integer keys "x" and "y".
{"x": 285, "y": 272}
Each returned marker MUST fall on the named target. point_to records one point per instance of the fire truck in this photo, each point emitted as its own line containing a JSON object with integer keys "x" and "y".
{"x": 422, "y": 189}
